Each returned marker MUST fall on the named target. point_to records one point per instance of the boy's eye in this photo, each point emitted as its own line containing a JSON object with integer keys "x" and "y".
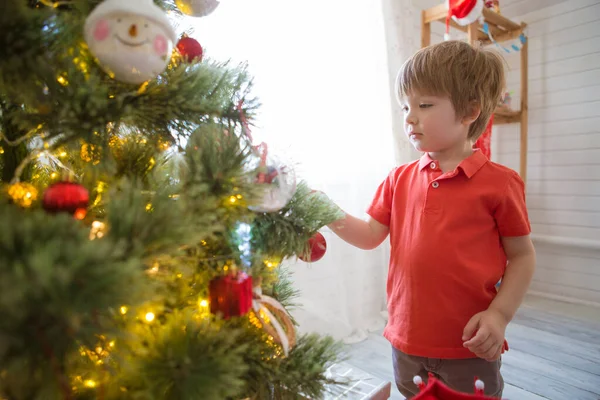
{"x": 405, "y": 108}
{"x": 425, "y": 105}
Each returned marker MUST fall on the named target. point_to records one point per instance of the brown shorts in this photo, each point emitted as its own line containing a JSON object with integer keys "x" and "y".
{"x": 456, "y": 374}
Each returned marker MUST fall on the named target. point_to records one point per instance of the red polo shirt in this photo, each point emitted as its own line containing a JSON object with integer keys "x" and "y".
{"x": 446, "y": 254}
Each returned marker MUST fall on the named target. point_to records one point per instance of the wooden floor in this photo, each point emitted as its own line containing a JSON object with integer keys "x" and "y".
{"x": 554, "y": 353}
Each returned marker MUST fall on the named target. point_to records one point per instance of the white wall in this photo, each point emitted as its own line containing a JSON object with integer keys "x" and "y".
{"x": 563, "y": 183}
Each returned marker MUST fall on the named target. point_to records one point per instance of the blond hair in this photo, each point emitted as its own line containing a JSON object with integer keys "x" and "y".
{"x": 469, "y": 76}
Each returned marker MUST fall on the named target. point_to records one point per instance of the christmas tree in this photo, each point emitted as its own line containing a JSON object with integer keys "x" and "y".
{"x": 141, "y": 230}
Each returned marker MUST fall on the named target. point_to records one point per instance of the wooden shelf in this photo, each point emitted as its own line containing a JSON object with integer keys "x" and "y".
{"x": 501, "y": 29}
{"x": 502, "y": 115}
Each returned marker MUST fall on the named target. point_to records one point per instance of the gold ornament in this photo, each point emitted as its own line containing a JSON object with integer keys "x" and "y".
{"x": 271, "y": 316}
{"x": 89, "y": 153}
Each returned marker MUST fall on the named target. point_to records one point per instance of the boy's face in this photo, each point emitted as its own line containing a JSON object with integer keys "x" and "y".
{"x": 431, "y": 123}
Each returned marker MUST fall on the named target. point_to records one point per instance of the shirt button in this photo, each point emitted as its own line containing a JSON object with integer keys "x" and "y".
{"x": 432, "y": 165}
{"x": 435, "y": 185}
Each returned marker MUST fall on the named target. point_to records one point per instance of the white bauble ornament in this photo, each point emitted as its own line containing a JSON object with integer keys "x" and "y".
{"x": 278, "y": 182}
{"x": 132, "y": 39}
{"x": 197, "y": 8}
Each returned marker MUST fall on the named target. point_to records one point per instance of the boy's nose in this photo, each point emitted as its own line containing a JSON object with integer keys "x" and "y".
{"x": 411, "y": 119}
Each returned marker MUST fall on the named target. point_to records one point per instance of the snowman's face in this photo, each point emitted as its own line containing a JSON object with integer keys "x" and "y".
{"x": 132, "y": 47}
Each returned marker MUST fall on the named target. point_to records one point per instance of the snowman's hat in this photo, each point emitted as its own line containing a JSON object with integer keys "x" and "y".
{"x": 142, "y": 8}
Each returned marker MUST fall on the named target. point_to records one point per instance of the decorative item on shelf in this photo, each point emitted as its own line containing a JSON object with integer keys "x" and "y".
{"x": 494, "y": 5}
{"x": 197, "y": 8}
{"x": 436, "y": 390}
{"x": 464, "y": 12}
{"x": 275, "y": 320}
{"x": 132, "y": 40}
{"x": 317, "y": 248}
{"x": 190, "y": 49}
{"x": 515, "y": 47}
{"x": 506, "y": 100}
{"x": 22, "y": 194}
{"x": 231, "y": 295}
{"x": 66, "y": 196}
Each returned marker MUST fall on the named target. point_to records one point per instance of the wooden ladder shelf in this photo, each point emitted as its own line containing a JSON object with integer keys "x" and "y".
{"x": 501, "y": 29}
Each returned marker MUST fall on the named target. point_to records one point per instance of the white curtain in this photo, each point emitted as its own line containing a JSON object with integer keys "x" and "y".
{"x": 322, "y": 74}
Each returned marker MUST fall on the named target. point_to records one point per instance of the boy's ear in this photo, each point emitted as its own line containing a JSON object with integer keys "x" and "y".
{"x": 472, "y": 114}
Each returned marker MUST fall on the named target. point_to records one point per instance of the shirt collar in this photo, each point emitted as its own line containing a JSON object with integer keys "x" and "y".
{"x": 469, "y": 165}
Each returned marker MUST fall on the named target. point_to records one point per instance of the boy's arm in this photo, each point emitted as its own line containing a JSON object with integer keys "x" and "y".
{"x": 489, "y": 326}
{"x": 363, "y": 234}
{"x": 517, "y": 277}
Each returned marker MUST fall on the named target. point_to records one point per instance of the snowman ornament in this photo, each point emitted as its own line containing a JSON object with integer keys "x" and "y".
{"x": 132, "y": 40}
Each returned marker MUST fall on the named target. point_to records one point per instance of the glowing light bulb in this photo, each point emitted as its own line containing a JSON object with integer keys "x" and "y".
{"x": 150, "y": 317}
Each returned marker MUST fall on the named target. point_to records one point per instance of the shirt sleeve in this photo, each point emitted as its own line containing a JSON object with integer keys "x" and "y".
{"x": 511, "y": 213}
{"x": 381, "y": 206}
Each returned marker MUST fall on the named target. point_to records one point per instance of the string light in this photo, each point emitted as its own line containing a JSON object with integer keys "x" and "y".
{"x": 90, "y": 383}
{"x": 232, "y": 199}
{"x": 23, "y": 194}
{"x": 203, "y": 303}
{"x": 154, "y": 268}
{"x": 164, "y": 145}
{"x": 149, "y": 207}
{"x": 62, "y": 80}
{"x": 80, "y": 214}
{"x": 124, "y": 310}
{"x": 150, "y": 316}
{"x": 98, "y": 230}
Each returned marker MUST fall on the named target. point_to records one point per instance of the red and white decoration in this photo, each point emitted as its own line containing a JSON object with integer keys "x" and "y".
{"x": 464, "y": 12}
{"x": 436, "y": 390}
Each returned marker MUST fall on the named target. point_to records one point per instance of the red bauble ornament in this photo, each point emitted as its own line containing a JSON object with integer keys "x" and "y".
{"x": 231, "y": 295}
{"x": 318, "y": 247}
{"x": 67, "y": 197}
{"x": 190, "y": 49}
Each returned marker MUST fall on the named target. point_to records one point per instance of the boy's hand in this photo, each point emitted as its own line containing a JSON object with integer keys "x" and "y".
{"x": 489, "y": 328}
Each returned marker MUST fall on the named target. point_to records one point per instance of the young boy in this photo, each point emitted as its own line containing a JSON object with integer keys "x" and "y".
{"x": 457, "y": 223}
